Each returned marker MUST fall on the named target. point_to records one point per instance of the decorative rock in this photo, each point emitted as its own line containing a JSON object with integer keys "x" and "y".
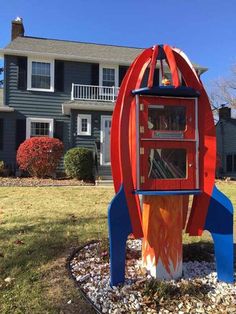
{"x": 92, "y": 275}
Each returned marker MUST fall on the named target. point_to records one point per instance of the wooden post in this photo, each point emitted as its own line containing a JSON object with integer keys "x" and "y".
{"x": 162, "y": 242}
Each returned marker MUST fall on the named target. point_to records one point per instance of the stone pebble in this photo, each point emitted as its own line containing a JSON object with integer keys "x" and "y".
{"x": 92, "y": 274}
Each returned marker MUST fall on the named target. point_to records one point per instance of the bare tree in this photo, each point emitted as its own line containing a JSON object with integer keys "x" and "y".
{"x": 223, "y": 91}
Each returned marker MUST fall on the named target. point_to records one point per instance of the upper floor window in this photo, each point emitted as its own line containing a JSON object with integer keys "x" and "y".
{"x": 108, "y": 76}
{"x": 40, "y": 75}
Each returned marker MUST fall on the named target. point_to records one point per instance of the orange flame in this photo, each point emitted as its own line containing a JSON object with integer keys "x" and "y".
{"x": 162, "y": 226}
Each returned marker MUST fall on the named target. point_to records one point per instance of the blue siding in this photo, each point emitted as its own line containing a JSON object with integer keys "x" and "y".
{"x": 39, "y": 104}
{"x": 90, "y": 141}
{"x": 48, "y": 105}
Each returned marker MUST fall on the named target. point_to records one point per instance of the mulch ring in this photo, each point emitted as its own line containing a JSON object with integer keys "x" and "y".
{"x": 35, "y": 182}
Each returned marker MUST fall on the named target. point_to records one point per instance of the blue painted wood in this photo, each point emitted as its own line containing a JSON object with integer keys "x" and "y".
{"x": 219, "y": 222}
{"x": 170, "y": 192}
{"x": 181, "y": 91}
{"x": 119, "y": 228}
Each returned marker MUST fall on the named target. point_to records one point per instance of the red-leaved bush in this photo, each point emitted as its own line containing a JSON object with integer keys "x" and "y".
{"x": 39, "y": 156}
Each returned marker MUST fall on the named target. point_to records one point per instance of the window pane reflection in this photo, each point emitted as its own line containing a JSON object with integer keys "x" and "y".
{"x": 169, "y": 118}
{"x": 166, "y": 163}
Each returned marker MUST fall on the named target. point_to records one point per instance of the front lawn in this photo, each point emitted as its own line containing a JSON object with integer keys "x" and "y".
{"x": 39, "y": 226}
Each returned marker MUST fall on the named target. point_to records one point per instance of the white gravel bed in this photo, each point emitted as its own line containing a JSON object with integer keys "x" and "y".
{"x": 197, "y": 292}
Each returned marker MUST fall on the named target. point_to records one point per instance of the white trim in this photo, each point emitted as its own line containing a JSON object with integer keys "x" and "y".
{"x": 108, "y": 66}
{"x": 79, "y": 124}
{"x": 29, "y": 74}
{"x": 102, "y": 147}
{"x": 6, "y": 109}
{"x": 43, "y": 120}
{"x": 66, "y": 108}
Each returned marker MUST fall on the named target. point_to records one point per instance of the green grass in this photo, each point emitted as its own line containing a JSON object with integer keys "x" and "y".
{"x": 38, "y": 229}
{"x": 48, "y": 222}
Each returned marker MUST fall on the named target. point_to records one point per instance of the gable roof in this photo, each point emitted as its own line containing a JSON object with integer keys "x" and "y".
{"x": 71, "y": 50}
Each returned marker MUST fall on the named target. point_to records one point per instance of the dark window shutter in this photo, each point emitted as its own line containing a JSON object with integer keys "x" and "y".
{"x": 58, "y": 130}
{"x": 22, "y": 73}
{"x": 145, "y": 78}
{"x": 122, "y": 71}
{"x": 183, "y": 81}
{"x": 59, "y": 76}
{"x": 95, "y": 74}
{"x": 20, "y": 131}
{"x": 156, "y": 78}
{"x": 1, "y": 133}
{"x": 229, "y": 163}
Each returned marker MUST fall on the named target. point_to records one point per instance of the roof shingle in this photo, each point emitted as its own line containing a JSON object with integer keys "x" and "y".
{"x": 88, "y": 51}
{"x": 73, "y": 50}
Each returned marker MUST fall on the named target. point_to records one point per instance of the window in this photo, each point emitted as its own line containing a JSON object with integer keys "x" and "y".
{"x": 166, "y": 163}
{"x": 166, "y": 118}
{"x": 108, "y": 76}
{"x": 84, "y": 124}
{"x": 40, "y": 75}
{"x": 36, "y": 127}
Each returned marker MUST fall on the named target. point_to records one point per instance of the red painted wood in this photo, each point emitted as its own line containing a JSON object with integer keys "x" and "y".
{"x": 134, "y": 81}
{"x": 187, "y": 183}
{"x": 124, "y": 154}
{"x": 189, "y": 104}
{"x": 152, "y": 66}
{"x": 115, "y": 156}
{"x": 207, "y": 156}
{"x": 172, "y": 64}
{"x": 185, "y": 209}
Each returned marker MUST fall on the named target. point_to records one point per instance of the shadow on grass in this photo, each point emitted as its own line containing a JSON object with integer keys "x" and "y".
{"x": 45, "y": 241}
{"x": 202, "y": 252}
{"x": 198, "y": 251}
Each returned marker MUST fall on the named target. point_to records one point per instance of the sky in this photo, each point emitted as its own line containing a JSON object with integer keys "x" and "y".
{"x": 203, "y": 29}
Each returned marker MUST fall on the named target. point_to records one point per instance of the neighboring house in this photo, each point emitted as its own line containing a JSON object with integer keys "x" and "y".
{"x": 61, "y": 89}
{"x": 226, "y": 143}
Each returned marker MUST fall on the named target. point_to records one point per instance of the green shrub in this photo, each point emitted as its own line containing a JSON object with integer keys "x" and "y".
{"x": 79, "y": 163}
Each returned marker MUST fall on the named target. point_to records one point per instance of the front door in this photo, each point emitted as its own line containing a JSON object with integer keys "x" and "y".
{"x": 105, "y": 140}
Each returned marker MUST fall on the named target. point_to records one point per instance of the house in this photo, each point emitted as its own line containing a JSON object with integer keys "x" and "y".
{"x": 61, "y": 89}
{"x": 226, "y": 143}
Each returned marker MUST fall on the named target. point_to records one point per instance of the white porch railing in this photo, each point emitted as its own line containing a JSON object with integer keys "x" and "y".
{"x": 92, "y": 92}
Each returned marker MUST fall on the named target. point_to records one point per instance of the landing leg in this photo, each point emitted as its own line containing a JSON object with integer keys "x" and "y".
{"x": 119, "y": 229}
{"x": 219, "y": 222}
